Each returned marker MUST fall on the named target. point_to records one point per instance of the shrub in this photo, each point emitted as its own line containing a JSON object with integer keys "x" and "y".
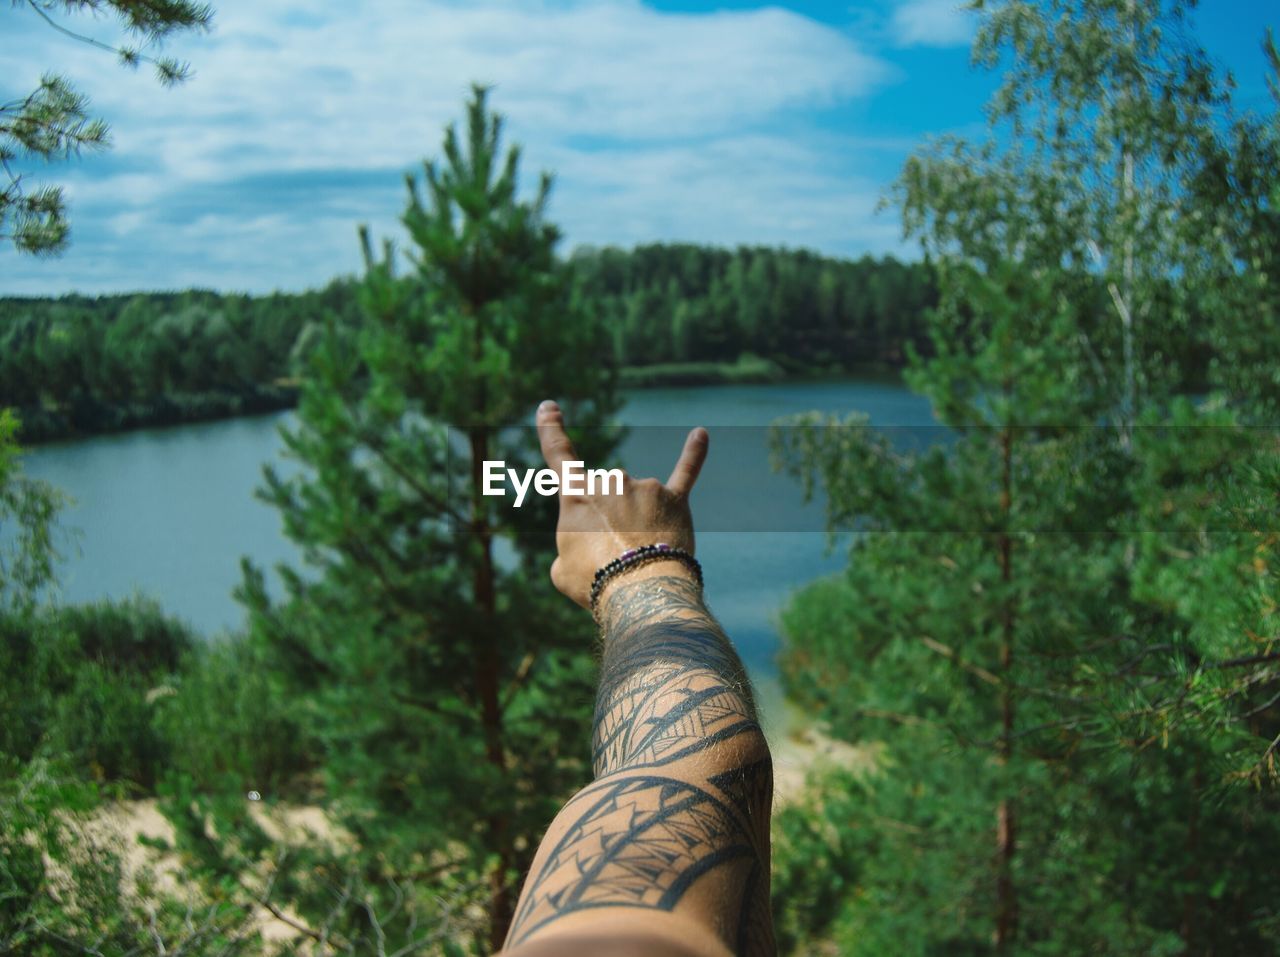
{"x": 228, "y": 725}
{"x": 63, "y": 886}
{"x": 81, "y": 682}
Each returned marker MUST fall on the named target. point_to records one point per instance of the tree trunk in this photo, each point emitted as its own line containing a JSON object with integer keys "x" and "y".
{"x": 1129, "y": 401}
{"x": 1128, "y": 204}
{"x": 1006, "y": 829}
{"x": 1190, "y": 899}
{"x": 486, "y": 687}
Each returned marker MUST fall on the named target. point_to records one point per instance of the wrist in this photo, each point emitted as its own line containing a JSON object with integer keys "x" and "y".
{"x": 637, "y": 557}
{"x": 665, "y": 568}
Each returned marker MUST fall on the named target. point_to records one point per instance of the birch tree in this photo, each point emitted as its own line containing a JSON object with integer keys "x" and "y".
{"x": 1056, "y": 628}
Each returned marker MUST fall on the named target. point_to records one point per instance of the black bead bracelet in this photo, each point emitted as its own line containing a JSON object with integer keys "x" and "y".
{"x": 641, "y": 555}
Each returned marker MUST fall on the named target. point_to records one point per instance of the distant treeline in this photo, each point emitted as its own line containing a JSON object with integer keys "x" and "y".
{"x": 80, "y": 365}
{"x": 685, "y": 303}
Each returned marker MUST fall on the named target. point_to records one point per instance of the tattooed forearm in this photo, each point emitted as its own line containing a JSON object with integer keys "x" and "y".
{"x": 643, "y": 840}
{"x": 671, "y": 684}
{"x": 683, "y": 785}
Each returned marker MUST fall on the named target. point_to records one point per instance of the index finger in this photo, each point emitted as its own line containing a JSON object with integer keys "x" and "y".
{"x": 690, "y": 462}
{"x": 554, "y": 441}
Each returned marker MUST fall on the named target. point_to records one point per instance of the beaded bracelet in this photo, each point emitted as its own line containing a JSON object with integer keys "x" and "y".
{"x": 634, "y": 558}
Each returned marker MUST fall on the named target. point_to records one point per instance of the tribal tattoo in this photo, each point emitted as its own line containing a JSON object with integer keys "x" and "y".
{"x": 684, "y": 783}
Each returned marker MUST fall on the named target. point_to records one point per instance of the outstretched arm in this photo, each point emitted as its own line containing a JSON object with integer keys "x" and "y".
{"x": 666, "y": 852}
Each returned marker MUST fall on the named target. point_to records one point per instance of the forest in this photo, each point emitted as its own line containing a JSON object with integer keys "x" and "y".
{"x": 1053, "y": 648}
{"x": 675, "y": 313}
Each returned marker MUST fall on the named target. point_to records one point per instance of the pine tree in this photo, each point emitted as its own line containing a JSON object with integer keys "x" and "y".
{"x": 448, "y": 685}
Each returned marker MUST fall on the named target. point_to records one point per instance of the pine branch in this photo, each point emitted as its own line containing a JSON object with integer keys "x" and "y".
{"x": 155, "y": 25}
{"x": 950, "y": 654}
{"x": 1248, "y": 660}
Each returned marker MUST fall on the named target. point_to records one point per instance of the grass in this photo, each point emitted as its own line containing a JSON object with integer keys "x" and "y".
{"x": 747, "y": 368}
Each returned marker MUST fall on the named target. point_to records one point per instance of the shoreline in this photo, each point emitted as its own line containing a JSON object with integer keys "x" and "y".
{"x": 172, "y": 411}
{"x": 52, "y": 426}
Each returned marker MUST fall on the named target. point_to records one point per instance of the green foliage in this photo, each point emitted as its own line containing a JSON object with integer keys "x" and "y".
{"x": 252, "y": 736}
{"x": 325, "y": 892}
{"x": 1238, "y": 194}
{"x": 1098, "y": 128}
{"x": 102, "y": 722}
{"x": 63, "y": 886}
{"x": 78, "y": 365}
{"x": 78, "y": 693}
{"x": 53, "y": 122}
{"x": 817, "y": 863}
{"x": 444, "y": 689}
{"x": 666, "y": 303}
{"x": 81, "y": 365}
{"x": 901, "y": 650}
{"x": 81, "y": 684}
{"x": 747, "y": 368}
{"x": 28, "y": 536}
{"x": 1059, "y": 623}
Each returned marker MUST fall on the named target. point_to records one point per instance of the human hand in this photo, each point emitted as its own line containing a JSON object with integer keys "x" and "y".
{"x": 595, "y": 529}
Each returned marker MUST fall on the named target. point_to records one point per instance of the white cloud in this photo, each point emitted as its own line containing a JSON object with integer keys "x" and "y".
{"x": 659, "y": 126}
{"x": 932, "y": 23}
{"x": 735, "y": 190}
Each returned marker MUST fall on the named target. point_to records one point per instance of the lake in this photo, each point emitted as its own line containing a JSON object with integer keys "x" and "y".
{"x": 169, "y": 512}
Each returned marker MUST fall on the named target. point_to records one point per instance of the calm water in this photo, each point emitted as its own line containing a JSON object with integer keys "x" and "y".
{"x": 169, "y": 512}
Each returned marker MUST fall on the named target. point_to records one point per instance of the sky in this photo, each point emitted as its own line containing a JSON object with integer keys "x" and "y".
{"x": 674, "y": 120}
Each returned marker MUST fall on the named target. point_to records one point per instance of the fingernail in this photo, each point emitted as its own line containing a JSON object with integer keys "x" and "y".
{"x": 548, "y": 405}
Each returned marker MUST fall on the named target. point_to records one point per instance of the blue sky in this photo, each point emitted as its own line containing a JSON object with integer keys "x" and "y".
{"x": 721, "y": 122}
